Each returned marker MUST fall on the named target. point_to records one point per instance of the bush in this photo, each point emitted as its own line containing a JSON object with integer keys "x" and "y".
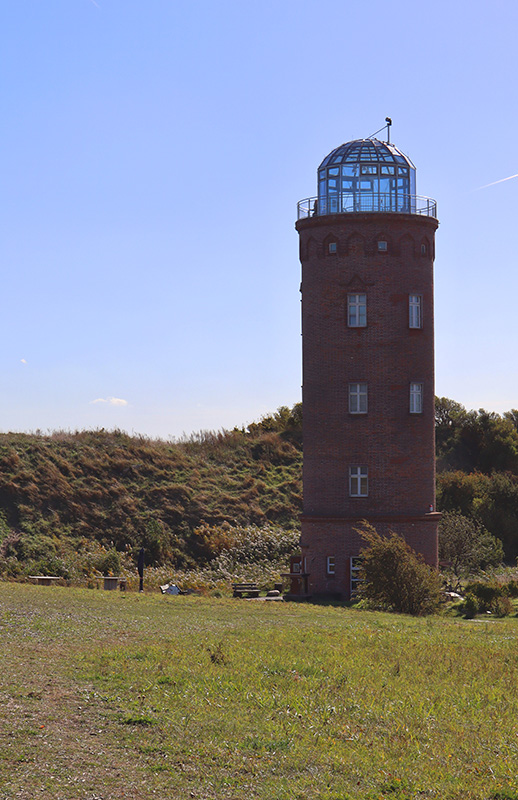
{"x": 492, "y": 597}
{"x": 395, "y": 577}
{"x": 486, "y": 594}
{"x": 511, "y": 588}
{"x": 109, "y": 564}
{"x": 502, "y": 606}
{"x": 470, "y": 606}
{"x": 467, "y": 546}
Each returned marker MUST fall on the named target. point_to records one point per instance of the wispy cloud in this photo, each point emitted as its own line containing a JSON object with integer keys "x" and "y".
{"x": 502, "y": 180}
{"x": 111, "y": 401}
{"x": 23, "y": 361}
{"x": 95, "y": 4}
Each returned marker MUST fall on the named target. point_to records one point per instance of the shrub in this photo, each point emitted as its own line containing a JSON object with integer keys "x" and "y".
{"x": 511, "y": 588}
{"x": 493, "y": 597}
{"x": 395, "y": 577}
{"x": 466, "y": 545}
{"x": 486, "y": 594}
{"x": 502, "y": 606}
{"x": 470, "y": 606}
{"x": 110, "y": 563}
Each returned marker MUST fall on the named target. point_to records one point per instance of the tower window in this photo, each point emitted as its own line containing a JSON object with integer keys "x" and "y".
{"x": 382, "y": 247}
{"x": 357, "y": 398}
{"x": 358, "y": 481}
{"x": 416, "y": 398}
{"x": 331, "y": 247}
{"x": 330, "y": 565}
{"x": 415, "y": 311}
{"x": 357, "y": 310}
{"x": 423, "y": 249}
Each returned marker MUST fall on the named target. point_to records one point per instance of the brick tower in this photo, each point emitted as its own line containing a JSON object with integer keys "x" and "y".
{"x": 367, "y": 251}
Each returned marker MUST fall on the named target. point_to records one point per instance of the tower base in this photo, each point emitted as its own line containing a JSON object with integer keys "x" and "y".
{"x": 331, "y": 548}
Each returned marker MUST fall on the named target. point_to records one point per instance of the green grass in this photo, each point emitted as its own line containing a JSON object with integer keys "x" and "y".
{"x": 106, "y": 695}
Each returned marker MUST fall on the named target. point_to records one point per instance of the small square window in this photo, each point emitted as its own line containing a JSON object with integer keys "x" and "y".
{"x": 358, "y": 481}
{"x": 330, "y": 565}
{"x": 416, "y": 398}
{"x": 357, "y": 398}
{"x": 382, "y": 247}
{"x": 357, "y": 310}
{"x": 331, "y": 247}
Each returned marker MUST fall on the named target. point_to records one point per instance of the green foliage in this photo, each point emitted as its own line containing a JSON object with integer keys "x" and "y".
{"x": 491, "y": 500}
{"x": 394, "y": 577}
{"x": 110, "y": 563}
{"x": 475, "y": 440}
{"x": 129, "y": 492}
{"x": 491, "y": 597}
{"x": 466, "y": 546}
{"x": 470, "y": 606}
{"x": 253, "y": 553}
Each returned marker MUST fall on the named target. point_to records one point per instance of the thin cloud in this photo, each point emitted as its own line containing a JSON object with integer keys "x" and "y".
{"x": 502, "y": 180}
{"x": 111, "y": 401}
{"x": 23, "y": 361}
{"x": 95, "y": 4}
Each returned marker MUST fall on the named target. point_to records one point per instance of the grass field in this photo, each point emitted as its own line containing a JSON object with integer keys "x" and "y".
{"x": 106, "y": 695}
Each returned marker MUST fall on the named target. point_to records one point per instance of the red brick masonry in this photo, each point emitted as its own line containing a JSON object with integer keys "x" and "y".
{"x": 396, "y": 446}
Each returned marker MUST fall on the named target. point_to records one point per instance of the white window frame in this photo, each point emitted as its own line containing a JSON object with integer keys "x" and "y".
{"x": 330, "y": 565}
{"x": 332, "y": 248}
{"x": 357, "y": 310}
{"x": 355, "y": 580}
{"x": 358, "y": 398}
{"x": 415, "y": 310}
{"x": 358, "y": 481}
{"x": 416, "y": 398}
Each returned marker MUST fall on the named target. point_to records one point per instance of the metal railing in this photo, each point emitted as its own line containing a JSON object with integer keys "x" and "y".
{"x": 359, "y": 202}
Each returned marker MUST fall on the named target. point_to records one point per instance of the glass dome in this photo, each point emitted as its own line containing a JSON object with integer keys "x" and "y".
{"x": 366, "y": 175}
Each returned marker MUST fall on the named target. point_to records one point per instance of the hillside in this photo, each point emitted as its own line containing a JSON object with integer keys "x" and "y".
{"x": 92, "y": 492}
{"x": 114, "y": 489}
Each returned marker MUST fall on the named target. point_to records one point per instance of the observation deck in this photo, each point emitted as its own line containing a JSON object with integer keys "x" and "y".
{"x": 350, "y": 203}
{"x": 366, "y": 176}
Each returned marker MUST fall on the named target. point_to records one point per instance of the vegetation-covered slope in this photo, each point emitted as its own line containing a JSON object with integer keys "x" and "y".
{"x": 131, "y": 491}
{"x": 93, "y": 489}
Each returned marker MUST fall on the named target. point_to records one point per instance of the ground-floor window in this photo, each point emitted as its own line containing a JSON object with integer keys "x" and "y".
{"x": 355, "y": 574}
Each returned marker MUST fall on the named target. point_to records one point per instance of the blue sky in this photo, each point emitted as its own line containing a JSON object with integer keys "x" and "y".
{"x": 152, "y": 155}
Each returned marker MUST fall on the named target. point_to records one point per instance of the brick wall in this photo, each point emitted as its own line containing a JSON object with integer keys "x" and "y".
{"x": 397, "y": 447}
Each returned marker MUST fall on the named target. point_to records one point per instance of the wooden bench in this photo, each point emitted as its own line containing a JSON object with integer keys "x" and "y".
{"x": 44, "y": 580}
{"x": 248, "y": 589}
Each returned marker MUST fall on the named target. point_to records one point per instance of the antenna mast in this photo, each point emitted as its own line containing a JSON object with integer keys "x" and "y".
{"x": 389, "y": 123}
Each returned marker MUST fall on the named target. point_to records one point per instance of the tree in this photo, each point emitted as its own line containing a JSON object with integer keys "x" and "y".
{"x": 467, "y": 546}
{"x": 491, "y": 500}
{"x": 394, "y": 577}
